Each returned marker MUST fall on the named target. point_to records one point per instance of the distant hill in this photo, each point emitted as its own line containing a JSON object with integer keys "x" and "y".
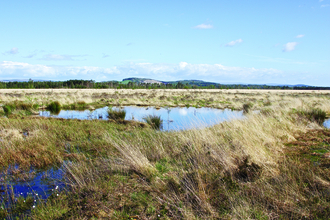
{"x": 189, "y": 82}
{"x": 199, "y": 82}
{"x": 142, "y": 80}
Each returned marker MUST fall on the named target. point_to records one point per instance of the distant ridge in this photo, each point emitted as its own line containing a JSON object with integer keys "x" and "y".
{"x": 191, "y": 82}
{"x": 203, "y": 83}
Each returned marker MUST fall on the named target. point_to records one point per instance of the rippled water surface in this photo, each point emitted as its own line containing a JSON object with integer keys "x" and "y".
{"x": 178, "y": 118}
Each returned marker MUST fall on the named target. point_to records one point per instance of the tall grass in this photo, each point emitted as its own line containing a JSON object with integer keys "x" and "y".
{"x": 314, "y": 114}
{"x": 154, "y": 121}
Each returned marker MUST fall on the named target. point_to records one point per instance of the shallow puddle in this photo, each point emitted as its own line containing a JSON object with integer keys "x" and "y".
{"x": 33, "y": 185}
{"x": 178, "y": 118}
{"x": 36, "y": 182}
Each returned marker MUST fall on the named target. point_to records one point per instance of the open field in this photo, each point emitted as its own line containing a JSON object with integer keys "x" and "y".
{"x": 271, "y": 165}
{"x": 233, "y": 99}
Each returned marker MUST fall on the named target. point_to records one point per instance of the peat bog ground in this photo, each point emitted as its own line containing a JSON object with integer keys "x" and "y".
{"x": 273, "y": 164}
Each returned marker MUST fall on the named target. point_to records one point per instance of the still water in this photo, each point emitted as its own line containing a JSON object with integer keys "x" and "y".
{"x": 327, "y": 123}
{"x": 178, "y": 118}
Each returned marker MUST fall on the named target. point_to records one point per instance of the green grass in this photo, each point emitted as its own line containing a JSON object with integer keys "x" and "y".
{"x": 7, "y": 109}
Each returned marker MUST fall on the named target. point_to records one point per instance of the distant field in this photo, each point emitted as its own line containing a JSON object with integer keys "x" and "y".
{"x": 177, "y": 97}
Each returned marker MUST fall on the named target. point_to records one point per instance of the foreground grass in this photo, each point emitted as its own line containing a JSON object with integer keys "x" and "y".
{"x": 41, "y": 142}
{"x": 249, "y": 169}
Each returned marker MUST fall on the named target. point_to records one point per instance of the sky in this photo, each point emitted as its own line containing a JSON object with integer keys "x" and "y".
{"x": 237, "y": 41}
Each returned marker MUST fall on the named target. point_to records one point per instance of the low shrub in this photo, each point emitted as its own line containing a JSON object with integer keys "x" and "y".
{"x": 116, "y": 114}
{"x": 54, "y": 107}
{"x": 154, "y": 121}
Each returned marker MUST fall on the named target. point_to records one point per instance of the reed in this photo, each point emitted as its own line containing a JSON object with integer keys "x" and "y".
{"x": 154, "y": 121}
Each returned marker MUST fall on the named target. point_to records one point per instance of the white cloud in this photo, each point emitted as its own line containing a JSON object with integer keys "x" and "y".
{"x": 289, "y": 46}
{"x": 183, "y": 65}
{"x": 300, "y": 36}
{"x": 12, "y": 51}
{"x": 182, "y": 70}
{"x": 321, "y": 0}
{"x": 161, "y": 71}
{"x": 323, "y": 6}
{"x": 204, "y": 26}
{"x": 183, "y": 112}
{"x": 234, "y": 42}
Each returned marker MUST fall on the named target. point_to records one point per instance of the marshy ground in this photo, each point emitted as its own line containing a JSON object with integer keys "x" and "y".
{"x": 271, "y": 165}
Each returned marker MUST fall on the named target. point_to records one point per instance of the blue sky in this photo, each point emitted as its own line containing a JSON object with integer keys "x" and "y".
{"x": 221, "y": 41}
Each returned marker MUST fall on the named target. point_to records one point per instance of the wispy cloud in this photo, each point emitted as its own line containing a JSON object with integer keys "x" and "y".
{"x": 321, "y": 0}
{"x": 57, "y": 57}
{"x": 289, "y": 46}
{"x": 323, "y": 6}
{"x": 30, "y": 55}
{"x": 234, "y": 42}
{"x": 12, "y": 51}
{"x": 204, "y": 26}
{"x": 300, "y": 36}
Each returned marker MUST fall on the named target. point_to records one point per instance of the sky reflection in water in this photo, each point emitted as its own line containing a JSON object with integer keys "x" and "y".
{"x": 178, "y": 118}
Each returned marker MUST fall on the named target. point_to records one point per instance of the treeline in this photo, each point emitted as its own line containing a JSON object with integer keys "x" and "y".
{"x": 84, "y": 84}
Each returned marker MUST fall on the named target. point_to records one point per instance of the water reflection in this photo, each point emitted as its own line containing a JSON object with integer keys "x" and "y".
{"x": 173, "y": 118}
{"x": 327, "y": 123}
